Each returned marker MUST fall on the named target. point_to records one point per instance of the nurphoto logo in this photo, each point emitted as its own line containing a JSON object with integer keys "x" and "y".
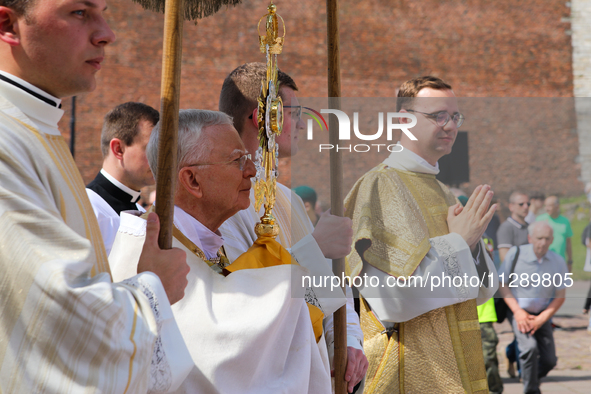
{"x": 345, "y": 129}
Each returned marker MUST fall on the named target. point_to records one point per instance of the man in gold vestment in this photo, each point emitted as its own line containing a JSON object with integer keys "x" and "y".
{"x": 423, "y": 337}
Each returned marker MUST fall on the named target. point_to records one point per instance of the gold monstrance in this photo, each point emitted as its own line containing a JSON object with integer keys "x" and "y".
{"x": 270, "y": 121}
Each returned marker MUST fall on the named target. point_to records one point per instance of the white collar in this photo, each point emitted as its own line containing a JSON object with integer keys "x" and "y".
{"x": 35, "y": 110}
{"x": 205, "y": 239}
{"x": 133, "y": 193}
{"x": 407, "y": 160}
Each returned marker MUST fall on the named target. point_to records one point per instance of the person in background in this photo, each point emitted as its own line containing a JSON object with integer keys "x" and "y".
{"x": 561, "y": 228}
{"x": 586, "y": 240}
{"x": 513, "y": 232}
{"x": 536, "y": 207}
{"x": 308, "y": 196}
{"x": 124, "y": 136}
{"x": 532, "y": 307}
{"x": 487, "y": 315}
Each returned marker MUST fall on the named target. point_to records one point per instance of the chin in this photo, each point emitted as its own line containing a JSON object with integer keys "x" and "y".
{"x": 244, "y": 205}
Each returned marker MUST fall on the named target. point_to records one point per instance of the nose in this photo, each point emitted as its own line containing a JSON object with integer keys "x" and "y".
{"x": 300, "y": 125}
{"x": 104, "y": 35}
{"x": 450, "y": 126}
{"x": 249, "y": 169}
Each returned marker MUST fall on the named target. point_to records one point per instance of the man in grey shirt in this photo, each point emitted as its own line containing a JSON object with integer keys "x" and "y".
{"x": 513, "y": 231}
{"x": 534, "y": 292}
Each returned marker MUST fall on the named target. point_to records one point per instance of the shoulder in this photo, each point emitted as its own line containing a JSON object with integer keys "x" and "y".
{"x": 506, "y": 228}
{"x": 374, "y": 184}
{"x": 543, "y": 217}
{"x": 527, "y": 248}
{"x": 284, "y": 188}
{"x": 99, "y": 205}
{"x": 556, "y": 260}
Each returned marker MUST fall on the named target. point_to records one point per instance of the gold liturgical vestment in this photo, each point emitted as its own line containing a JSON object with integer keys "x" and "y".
{"x": 394, "y": 214}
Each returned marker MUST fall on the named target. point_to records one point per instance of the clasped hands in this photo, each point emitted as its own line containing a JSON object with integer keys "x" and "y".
{"x": 526, "y": 323}
{"x": 471, "y": 221}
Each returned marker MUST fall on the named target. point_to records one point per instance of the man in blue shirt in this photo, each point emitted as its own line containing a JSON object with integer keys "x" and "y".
{"x": 534, "y": 290}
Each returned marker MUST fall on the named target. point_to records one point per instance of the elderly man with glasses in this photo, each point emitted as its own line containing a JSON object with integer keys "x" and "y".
{"x": 406, "y": 224}
{"x": 245, "y": 330}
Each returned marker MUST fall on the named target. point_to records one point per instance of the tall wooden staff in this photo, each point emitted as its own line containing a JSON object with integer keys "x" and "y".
{"x": 336, "y": 185}
{"x": 174, "y": 13}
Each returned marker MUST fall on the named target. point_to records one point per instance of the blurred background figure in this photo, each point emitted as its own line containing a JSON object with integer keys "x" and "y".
{"x": 536, "y": 207}
{"x": 309, "y": 197}
{"x": 586, "y": 239}
{"x": 561, "y": 229}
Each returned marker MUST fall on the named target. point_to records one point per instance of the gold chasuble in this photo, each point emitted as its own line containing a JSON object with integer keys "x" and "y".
{"x": 394, "y": 214}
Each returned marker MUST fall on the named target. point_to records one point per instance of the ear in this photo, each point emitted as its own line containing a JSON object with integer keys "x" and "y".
{"x": 9, "y": 26}
{"x": 117, "y": 147}
{"x": 254, "y": 121}
{"x": 189, "y": 181}
{"x": 403, "y": 120}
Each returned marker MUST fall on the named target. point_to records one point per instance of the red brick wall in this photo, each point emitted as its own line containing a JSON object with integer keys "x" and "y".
{"x": 483, "y": 48}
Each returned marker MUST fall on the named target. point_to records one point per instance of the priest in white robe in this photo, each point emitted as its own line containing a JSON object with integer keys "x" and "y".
{"x": 311, "y": 247}
{"x": 248, "y": 331}
{"x": 65, "y": 327}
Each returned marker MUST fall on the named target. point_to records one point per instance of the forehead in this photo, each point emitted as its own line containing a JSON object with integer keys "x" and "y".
{"x": 433, "y": 100}
{"x": 520, "y": 198}
{"x": 224, "y": 141}
{"x": 288, "y": 96}
{"x": 41, "y": 6}
{"x": 551, "y": 201}
{"x": 543, "y": 231}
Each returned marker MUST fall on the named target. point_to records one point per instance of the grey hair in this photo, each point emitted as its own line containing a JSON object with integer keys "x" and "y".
{"x": 191, "y": 147}
{"x": 532, "y": 227}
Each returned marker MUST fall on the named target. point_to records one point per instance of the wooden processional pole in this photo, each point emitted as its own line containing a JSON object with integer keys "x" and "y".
{"x": 336, "y": 185}
{"x": 169, "y": 119}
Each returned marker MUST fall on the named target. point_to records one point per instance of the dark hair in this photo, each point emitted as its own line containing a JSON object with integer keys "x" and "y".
{"x": 122, "y": 122}
{"x": 410, "y": 89}
{"x": 241, "y": 89}
{"x": 537, "y": 196}
{"x": 19, "y": 6}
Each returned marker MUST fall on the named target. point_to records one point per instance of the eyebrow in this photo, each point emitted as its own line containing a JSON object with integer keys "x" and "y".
{"x": 92, "y": 4}
{"x": 240, "y": 151}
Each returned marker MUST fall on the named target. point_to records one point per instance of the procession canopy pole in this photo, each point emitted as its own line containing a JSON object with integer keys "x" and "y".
{"x": 336, "y": 185}
{"x": 169, "y": 119}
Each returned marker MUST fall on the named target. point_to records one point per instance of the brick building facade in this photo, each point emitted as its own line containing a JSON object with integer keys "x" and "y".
{"x": 482, "y": 48}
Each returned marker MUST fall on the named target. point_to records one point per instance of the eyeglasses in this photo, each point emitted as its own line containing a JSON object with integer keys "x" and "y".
{"x": 442, "y": 117}
{"x": 295, "y": 114}
{"x": 241, "y": 161}
{"x": 527, "y": 204}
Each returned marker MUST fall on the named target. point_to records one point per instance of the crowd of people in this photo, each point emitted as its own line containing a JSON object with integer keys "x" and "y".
{"x": 90, "y": 303}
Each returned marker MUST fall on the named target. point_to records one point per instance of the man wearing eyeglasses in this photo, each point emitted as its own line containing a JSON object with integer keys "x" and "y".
{"x": 421, "y": 338}
{"x": 331, "y": 238}
{"x": 244, "y": 330}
